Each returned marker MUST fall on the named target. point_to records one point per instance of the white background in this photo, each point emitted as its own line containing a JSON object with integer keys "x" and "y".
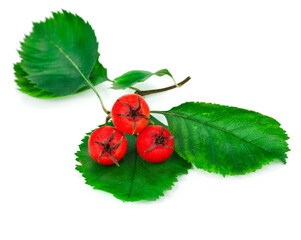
{"x": 238, "y": 53}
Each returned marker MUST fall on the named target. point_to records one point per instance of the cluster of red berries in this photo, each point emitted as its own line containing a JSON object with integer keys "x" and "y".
{"x": 130, "y": 114}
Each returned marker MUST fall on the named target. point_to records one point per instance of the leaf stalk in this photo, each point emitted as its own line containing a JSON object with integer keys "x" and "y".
{"x": 94, "y": 90}
{"x": 148, "y": 92}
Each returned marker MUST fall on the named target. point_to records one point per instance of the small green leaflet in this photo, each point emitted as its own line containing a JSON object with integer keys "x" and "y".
{"x": 133, "y": 77}
{"x": 225, "y": 140}
{"x": 135, "y": 179}
{"x": 59, "y": 57}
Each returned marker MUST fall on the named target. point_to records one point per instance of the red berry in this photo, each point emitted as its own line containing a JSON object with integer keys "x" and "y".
{"x": 107, "y": 145}
{"x": 130, "y": 114}
{"x": 155, "y": 144}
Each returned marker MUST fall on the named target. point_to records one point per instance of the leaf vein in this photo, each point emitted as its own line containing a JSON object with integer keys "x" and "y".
{"x": 66, "y": 56}
{"x": 214, "y": 127}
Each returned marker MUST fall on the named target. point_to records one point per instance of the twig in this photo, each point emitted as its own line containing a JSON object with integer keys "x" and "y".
{"x": 148, "y": 92}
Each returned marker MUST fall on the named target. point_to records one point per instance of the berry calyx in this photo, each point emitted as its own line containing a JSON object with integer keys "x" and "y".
{"x": 107, "y": 145}
{"x": 130, "y": 114}
{"x": 155, "y": 144}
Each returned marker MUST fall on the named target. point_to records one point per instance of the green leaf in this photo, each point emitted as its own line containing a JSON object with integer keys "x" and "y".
{"x": 97, "y": 76}
{"x": 225, "y": 140}
{"x": 27, "y": 87}
{"x": 131, "y": 78}
{"x": 135, "y": 179}
{"x": 59, "y": 55}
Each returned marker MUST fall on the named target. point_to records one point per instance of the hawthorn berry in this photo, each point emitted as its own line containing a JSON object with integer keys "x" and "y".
{"x": 107, "y": 145}
{"x": 130, "y": 114}
{"x": 155, "y": 144}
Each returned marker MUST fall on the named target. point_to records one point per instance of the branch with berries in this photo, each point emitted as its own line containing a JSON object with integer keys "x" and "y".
{"x": 135, "y": 156}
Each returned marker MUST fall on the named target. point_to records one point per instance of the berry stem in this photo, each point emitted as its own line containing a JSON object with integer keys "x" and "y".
{"x": 148, "y": 92}
{"x": 109, "y": 116}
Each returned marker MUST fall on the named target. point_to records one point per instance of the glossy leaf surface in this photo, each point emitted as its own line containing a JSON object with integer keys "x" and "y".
{"x": 225, "y": 140}
{"x": 60, "y": 54}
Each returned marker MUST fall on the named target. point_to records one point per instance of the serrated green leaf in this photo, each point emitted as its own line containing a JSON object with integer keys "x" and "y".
{"x": 59, "y": 55}
{"x": 97, "y": 76}
{"x": 27, "y": 87}
{"x": 135, "y": 179}
{"x": 133, "y": 77}
{"x": 225, "y": 140}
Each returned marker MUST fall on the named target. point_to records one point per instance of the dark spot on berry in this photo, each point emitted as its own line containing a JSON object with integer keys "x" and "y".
{"x": 160, "y": 140}
{"x": 107, "y": 148}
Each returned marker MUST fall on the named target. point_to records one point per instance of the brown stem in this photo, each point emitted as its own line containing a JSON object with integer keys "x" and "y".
{"x": 148, "y": 92}
{"x": 108, "y": 118}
